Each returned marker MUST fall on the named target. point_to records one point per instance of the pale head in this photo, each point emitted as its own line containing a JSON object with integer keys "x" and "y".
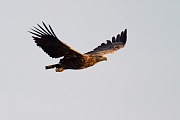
{"x": 101, "y": 58}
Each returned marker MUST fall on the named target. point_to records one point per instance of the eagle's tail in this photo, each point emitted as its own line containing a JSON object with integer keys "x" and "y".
{"x": 52, "y": 66}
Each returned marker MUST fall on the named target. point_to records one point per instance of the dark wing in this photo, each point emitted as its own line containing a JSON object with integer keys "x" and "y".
{"x": 47, "y": 40}
{"x": 111, "y": 46}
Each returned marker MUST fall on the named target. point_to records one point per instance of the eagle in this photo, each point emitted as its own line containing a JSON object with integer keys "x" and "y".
{"x": 46, "y": 39}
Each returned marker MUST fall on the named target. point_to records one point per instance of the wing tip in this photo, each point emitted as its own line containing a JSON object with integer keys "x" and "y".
{"x": 41, "y": 31}
{"x": 123, "y": 37}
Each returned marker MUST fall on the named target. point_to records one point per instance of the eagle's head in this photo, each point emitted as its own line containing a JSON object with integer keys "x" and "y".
{"x": 101, "y": 58}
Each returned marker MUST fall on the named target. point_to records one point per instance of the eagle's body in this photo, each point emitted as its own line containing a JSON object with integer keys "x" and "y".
{"x": 47, "y": 40}
{"x": 76, "y": 63}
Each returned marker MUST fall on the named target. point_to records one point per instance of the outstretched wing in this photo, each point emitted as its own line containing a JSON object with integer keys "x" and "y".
{"x": 47, "y": 40}
{"x": 111, "y": 46}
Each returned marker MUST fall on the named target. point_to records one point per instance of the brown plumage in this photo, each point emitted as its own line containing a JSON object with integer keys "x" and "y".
{"x": 47, "y": 40}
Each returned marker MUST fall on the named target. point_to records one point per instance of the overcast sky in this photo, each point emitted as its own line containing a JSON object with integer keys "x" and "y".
{"x": 139, "y": 82}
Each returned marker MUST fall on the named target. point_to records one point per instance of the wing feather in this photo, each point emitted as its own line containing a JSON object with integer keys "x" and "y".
{"x": 111, "y": 46}
{"x": 47, "y": 40}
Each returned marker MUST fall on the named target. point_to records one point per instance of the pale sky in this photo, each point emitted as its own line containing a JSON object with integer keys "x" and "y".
{"x": 139, "y": 82}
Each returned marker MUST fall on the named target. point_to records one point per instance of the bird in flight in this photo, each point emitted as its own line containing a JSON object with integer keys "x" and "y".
{"x": 46, "y": 39}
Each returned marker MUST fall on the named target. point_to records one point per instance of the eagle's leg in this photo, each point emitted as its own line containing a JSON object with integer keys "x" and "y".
{"x": 52, "y": 66}
{"x": 59, "y": 69}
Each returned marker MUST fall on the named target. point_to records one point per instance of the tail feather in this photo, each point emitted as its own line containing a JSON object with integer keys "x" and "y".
{"x": 52, "y": 66}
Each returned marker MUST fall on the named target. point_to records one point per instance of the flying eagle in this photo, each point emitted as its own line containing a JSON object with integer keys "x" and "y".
{"x": 45, "y": 38}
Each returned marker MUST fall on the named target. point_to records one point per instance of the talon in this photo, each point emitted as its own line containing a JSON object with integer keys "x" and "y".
{"x": 59, "y": 69}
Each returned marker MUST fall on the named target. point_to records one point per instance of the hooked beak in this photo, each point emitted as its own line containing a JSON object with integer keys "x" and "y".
{"x": 105, "y": 58}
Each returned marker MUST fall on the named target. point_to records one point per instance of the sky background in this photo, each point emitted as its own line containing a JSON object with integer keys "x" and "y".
{"x": 139, "y": 82}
